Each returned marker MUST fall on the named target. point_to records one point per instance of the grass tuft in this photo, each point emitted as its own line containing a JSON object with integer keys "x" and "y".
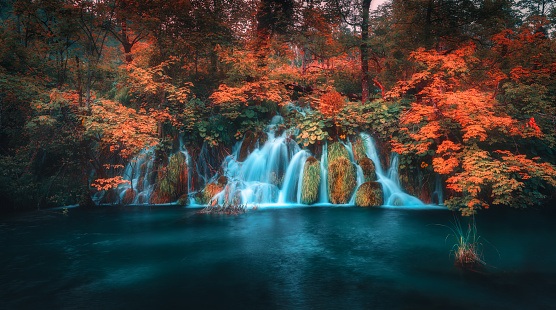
{"x": 311, "y": 181}
{"x": 467, "y": 250}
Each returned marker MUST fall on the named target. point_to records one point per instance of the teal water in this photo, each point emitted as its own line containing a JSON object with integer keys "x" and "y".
{"x": 279, "y": 258}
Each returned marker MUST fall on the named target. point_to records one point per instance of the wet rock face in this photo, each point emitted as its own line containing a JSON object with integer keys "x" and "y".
{"x": 129, "y": 196}
{"x": 419, "y": 184}
{"x": 311, "y": 181}
{"x": 341, "y": 180}
{"x": 369, "y": 194}
{"x": 250, "y": 142}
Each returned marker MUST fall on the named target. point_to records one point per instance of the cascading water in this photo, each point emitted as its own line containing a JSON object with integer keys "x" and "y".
{"x": 393, "y": 194}
{"x": 437, "y": 195}
{"x": 272, "y": 174}
{"x": 323, "y": 187}
{"x": 137, "y": 172}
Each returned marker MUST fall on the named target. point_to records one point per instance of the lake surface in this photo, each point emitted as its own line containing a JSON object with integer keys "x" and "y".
{"x": 277, "y": 258}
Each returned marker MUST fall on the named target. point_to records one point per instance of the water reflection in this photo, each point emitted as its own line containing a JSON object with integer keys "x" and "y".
{"x": 312, "y": 257}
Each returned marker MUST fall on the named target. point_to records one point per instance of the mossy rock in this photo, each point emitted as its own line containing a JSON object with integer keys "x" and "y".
{"x": 311, "y": 181}
{"x": 368, "y": 168}
{"x": 341, "y": 180}
{"x": 263, "y": 137}
{"x": 209, "y": 191}
{"x": 183, "y": 200}
{"x": 110, "y": 196}
{"x": 398, "y": 202}
{"x": 172, "y": 180}
{"x": 142, "y": 198}
{"x": 336, "y": 150}
{"x": 359, "y": 149}
{"x": 369, "y": 194}
{"x": 129, "y": 196}
{"x": 277, "y": 178}
{"x": 85, "y": 200}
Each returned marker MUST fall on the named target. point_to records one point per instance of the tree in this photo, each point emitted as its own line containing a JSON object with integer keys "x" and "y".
{"x": 467, "y": 134}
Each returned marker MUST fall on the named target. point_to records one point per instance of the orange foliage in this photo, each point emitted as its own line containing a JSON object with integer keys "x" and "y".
{"x": 106, "y": 184}
{"x": 331, "y": 103}
{"x": 453, "y": 118}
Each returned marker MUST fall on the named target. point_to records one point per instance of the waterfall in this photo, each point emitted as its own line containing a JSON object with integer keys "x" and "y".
{"x": 393, "y": 194}
{"x": 323, "y": 187}
{"x": 437, "y": 195}
{"x": 292, "y": 179}
{"x": 139, "y": 180}
{"x": 272, "y": 174}
{"x": 360, "y": 180}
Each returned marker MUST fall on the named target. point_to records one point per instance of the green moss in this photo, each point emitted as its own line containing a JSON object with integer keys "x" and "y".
{"x": 368, "y": 169}
{"x": 336, "y": 150}
{"x": 369, "y": 194}
{"x": 311, "y": 181}
{"x": 341, "y": 180}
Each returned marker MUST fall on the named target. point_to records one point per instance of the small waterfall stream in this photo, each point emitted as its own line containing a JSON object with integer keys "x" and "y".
{"x": 393, "y": 194}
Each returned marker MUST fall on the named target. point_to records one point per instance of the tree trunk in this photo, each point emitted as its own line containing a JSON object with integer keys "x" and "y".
{"x": 79, "y": 85}
{"x": 126, "y": 43}
{"x": 364, "y": 50}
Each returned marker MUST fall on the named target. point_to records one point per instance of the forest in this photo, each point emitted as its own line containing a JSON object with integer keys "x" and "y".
{"x": 464, "y": 92}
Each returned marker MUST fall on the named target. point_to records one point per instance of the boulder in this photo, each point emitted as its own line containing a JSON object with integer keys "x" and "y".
{"x": 368, "y": 169}
{"x": 369, "y": 194}
{"x": 129, "y": 196}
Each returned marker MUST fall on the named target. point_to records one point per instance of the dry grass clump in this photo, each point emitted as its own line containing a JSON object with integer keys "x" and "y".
{"x": 341, "y": 180}
{"x": 369, "y": 194}
{"x": 311, "y": 181}
{"x": 336, "y": 150}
